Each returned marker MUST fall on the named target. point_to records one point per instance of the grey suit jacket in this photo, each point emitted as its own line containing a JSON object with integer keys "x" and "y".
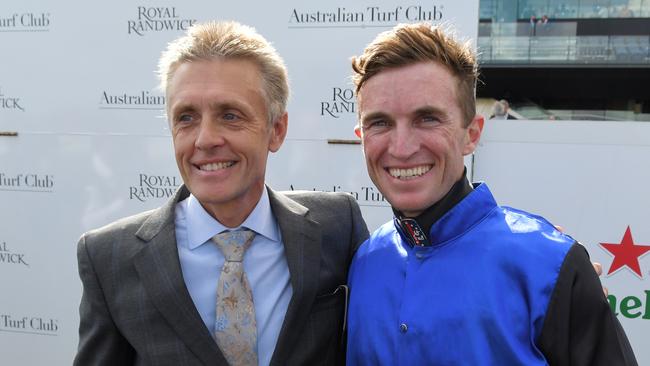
{"x": 136, "y": 310}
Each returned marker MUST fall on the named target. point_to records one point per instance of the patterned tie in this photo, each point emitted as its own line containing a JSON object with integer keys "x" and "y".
{"x": 235, "y": 328}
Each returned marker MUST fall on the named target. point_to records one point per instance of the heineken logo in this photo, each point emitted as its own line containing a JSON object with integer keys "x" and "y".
{"x": 626, "y": 254}
{"x": 631, "y": 306}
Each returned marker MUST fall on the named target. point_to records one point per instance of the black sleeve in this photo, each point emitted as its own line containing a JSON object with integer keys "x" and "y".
{"x": 580, "y": 328}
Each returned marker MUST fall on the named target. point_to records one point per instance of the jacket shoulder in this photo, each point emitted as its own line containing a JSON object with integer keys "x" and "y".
{"x": 323, "y": 202}
{"x": 117, "y": 236}
{"x": 525, "y": 224}
{"x": 129, "y": 224}
{"x": 317, "y": 196}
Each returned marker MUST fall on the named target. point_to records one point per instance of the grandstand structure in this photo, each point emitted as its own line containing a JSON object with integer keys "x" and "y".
{"x": 569, "y": 59}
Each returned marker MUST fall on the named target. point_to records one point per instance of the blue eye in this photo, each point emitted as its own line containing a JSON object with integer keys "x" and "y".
{"x": 377, "y": 124}
{"x": 230, "y": 116}
{"x": 185, "y": 118}
{"x": 429, "y": 120}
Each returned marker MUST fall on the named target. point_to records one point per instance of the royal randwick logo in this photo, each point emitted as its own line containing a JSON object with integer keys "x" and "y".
{"x": 154, "y": 186}
{"x": 11, "y": 257}
{"x": 158, "y": 19}
{"x": 340, "y": 102}
{"x": 10, "y": 102}
{"x": 626, "y": 255}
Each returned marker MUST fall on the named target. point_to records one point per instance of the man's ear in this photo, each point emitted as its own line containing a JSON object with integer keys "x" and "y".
{"x": 279, "y": 132}
{"x": 473, "y": 134}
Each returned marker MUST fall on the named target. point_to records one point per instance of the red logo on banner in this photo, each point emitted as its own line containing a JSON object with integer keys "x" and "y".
{"x": 626, "y": 253}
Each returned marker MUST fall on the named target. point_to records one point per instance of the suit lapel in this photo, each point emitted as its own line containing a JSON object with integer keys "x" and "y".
{"x": 302, "y": 244}
{"x": 159, "y": 269}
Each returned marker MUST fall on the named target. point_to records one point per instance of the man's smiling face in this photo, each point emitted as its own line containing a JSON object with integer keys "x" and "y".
{"x": 413, "y": 133}
{"x": 221, "y": 134}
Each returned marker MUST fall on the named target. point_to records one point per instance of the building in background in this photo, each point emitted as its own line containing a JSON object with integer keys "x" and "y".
{"x": 567, "y": 59}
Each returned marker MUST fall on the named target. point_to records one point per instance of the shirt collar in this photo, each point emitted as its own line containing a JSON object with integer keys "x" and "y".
{"x": 201, "y": 226}
{"x": 432, "y": 214}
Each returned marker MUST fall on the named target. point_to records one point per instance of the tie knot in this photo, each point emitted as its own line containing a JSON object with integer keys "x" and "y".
{"x": 233, "y": 244}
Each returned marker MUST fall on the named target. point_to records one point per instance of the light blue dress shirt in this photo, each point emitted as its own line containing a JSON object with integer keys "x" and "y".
{"x": 265, "y": 265}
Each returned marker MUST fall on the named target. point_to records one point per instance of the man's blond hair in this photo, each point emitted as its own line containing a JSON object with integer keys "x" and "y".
{"x": 230, "y": 40}
{"x": 408, "y": 44}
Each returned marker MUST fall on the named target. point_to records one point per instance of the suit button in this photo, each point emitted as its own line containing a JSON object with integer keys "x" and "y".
{"x": 403, "y": 328}
{"x": 419, "y": 255}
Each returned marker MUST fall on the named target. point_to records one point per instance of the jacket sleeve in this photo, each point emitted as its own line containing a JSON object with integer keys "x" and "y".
{"x": 100, "y": 341}
{"x": 580, "y": 328}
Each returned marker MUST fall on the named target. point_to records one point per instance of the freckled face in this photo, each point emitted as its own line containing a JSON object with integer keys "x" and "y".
{"x": 413, "y": 135}
{"x": 221, "y": 135}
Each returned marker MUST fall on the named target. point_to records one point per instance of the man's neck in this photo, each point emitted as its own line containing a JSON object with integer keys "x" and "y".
{"x": 433, "y": 213}
{"x": 233, "y": 213}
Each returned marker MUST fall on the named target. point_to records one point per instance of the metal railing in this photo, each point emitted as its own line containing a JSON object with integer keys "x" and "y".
{"x": 564, "y": 50}
{"x": 567, "y": 9}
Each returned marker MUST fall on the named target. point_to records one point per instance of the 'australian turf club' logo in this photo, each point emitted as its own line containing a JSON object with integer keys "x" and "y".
{"x": 626, "y": 253}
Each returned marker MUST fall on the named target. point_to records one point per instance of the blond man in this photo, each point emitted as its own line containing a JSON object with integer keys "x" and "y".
{"x": 228, "y": 271}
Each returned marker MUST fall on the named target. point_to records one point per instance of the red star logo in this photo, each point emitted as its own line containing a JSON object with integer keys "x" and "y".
{"x": 626, "y": 253}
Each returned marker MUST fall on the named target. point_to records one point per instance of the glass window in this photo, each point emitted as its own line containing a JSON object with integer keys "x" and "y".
{"x": 487, "y": 9}
{"x": 625, "y": 8}
{"x": 511, "y": 49}
{"x": 594, "y": 9}
{"x": 644, "y": 8}
{"x": 630, "y": 49}
{"x": 530, "y": 8}
{"x": 592, "y": 49}
{"x": 562, "y": 9}
{"x": 506, "y": 10}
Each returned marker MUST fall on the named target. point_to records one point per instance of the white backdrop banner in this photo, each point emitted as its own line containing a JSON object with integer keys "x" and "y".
{"x": 78, "y": 87}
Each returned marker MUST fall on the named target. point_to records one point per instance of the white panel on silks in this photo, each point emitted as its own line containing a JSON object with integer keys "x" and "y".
{"x": 78, "y": 86}
{"x": 592, "y": 179}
